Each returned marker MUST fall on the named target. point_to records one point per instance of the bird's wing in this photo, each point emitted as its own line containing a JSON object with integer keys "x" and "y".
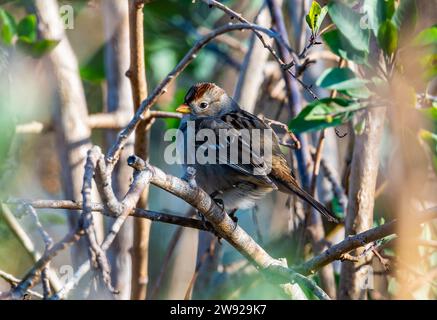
{"x": 237, "y": 145}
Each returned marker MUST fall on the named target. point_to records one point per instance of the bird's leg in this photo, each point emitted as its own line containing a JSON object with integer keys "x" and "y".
{"x": 233, "y": 216}
{"x": 218, "y": 201}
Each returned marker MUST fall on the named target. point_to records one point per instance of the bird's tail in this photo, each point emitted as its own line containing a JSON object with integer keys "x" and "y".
{"x": 293, "y": 187}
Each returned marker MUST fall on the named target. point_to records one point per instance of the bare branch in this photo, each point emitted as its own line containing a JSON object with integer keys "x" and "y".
{"x": 14, "y": 281}
{"x": 136, "y": 212}
{"x": 335, "y": 252}
{"x": 22, "y": 236}
{"x": 98, "y": 256}
{"x": 141, "y": 179}
{"x": 223, "y": 224}
{"x": 137, "y": 77}
{"x": 114, "y": 152}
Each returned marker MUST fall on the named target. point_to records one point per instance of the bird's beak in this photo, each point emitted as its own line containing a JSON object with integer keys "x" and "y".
{"x": 183, "y": 108}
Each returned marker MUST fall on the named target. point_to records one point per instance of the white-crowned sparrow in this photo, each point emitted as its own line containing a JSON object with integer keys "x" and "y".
{"x": 237, "y": 183}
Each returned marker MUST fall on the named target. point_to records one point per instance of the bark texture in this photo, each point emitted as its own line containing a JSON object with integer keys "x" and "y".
{"x": 70, "y": 116}
{"x": 119, "y": 102}
{"x": 354, "y": 280}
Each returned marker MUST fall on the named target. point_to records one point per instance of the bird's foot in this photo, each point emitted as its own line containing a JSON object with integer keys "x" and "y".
{"x": 209, "y": 227}
{"x": 218, "y": 201}
{"x": 232, "y": 215}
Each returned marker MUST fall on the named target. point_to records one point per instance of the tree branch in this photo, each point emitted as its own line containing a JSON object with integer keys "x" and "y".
{"x": 352, "y": 242}
{"x": 137, "y": 77}
{"x": 114, "y": 153}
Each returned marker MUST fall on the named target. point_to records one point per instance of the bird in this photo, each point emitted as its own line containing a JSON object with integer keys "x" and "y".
{"x": 235, "y": 184}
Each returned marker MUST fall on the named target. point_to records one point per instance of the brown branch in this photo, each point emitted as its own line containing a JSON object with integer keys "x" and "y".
{"x": 166, "y": 262}
{"x": 289, "y": 133}
{"x": 137, "y": 77}
{"x": 313, "y": 222}
{"x": 209, "y": 252}
{"x": 279, "y": 37}
{"x": 48, "y": 243}
{"x": 251, "y": 74}
{"x": 361, "y": 193}
{"x": 223, "y": 225}
{"x": 98, "y": 207}
{"x": 23, "y": 238}
{"x": 70, "y": 117}
{"x": 114, "y": 153}
{"x": 336, "y": 251}
{"x": 107, "y": 120}
{"x": 15, "y": 281}
{"x": 32, "y": 276}
{"x": 141, "y": 180}
{"x": 98, "y": 256}
{"x": 119, "y": 110}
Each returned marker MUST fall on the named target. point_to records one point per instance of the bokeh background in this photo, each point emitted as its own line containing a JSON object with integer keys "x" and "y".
{"x": 30, "y": 166}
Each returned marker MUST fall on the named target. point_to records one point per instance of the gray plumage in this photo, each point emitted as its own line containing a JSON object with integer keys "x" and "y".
{"x": 238, "y": 183}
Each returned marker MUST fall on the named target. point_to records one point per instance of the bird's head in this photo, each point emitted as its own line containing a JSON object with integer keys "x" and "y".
{"x": 205, "y": 100}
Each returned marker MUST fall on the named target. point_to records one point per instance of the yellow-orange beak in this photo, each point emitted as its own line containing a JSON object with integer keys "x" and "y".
{"x": 183, "y": 108}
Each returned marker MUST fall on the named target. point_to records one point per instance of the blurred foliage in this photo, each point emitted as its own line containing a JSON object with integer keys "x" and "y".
{"x": 351, "y": 41}
{"x": 172, "y": 27}
{"x": 24, "y": 35}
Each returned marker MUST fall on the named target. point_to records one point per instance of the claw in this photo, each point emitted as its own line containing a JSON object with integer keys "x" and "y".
{"x": 233, "y": 216}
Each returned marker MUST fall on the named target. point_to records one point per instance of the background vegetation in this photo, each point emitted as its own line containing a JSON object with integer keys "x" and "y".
{"x": 360, "y": 96}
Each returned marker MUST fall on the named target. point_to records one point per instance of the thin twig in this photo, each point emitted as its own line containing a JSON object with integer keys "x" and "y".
{"x": 279, "y": 37}
{"x": 336, "y": 251}
{"x": 114, "y": 153}
{"x": 136, "y": 212}
{"x": 222, "y": 223}
{"x": 98, "y": 256}
{"x": 15, "y": 281}
{"x": 23, "y": 238}
{"x": 48, "y": 242}
{"x": 137, "y": 77}
{"x": 209, "y": 252}
{"x": 141, "y": 179}
{"x": 289, "y": 133}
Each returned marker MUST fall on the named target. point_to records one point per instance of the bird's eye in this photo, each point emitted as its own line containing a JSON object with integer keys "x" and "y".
{"x": 203, "y": 105}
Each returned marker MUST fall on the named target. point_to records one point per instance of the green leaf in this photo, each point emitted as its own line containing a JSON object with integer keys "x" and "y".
{"x": 342, "y": 47}
{"x": 38, "y": 48}
{"x": 8, "y": 27}
{"x": 312, "y": 16}
{"x": 93, "y": 70}
{"x": 405, "y": 15}
{"x": 315, "y": 17}
{"x": 431, "y": 140}
{"x": 358, "y": 93}
{"x": 349, "y": 24}
{"x": 427, "y": 37}
{"x": 323, "y": 113}
{"x": 360, "y": 126}
{"x": 178, "y": 99}
{"x": 340, "y": 79}
{"x": 337, "y": 208}
{"x": 430, "y": 114}
{"x": 378, "y": 11}
{"x": 27, "y": 28}
{"x": 388, "y": 37}
{"x": 321, "y": 17}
